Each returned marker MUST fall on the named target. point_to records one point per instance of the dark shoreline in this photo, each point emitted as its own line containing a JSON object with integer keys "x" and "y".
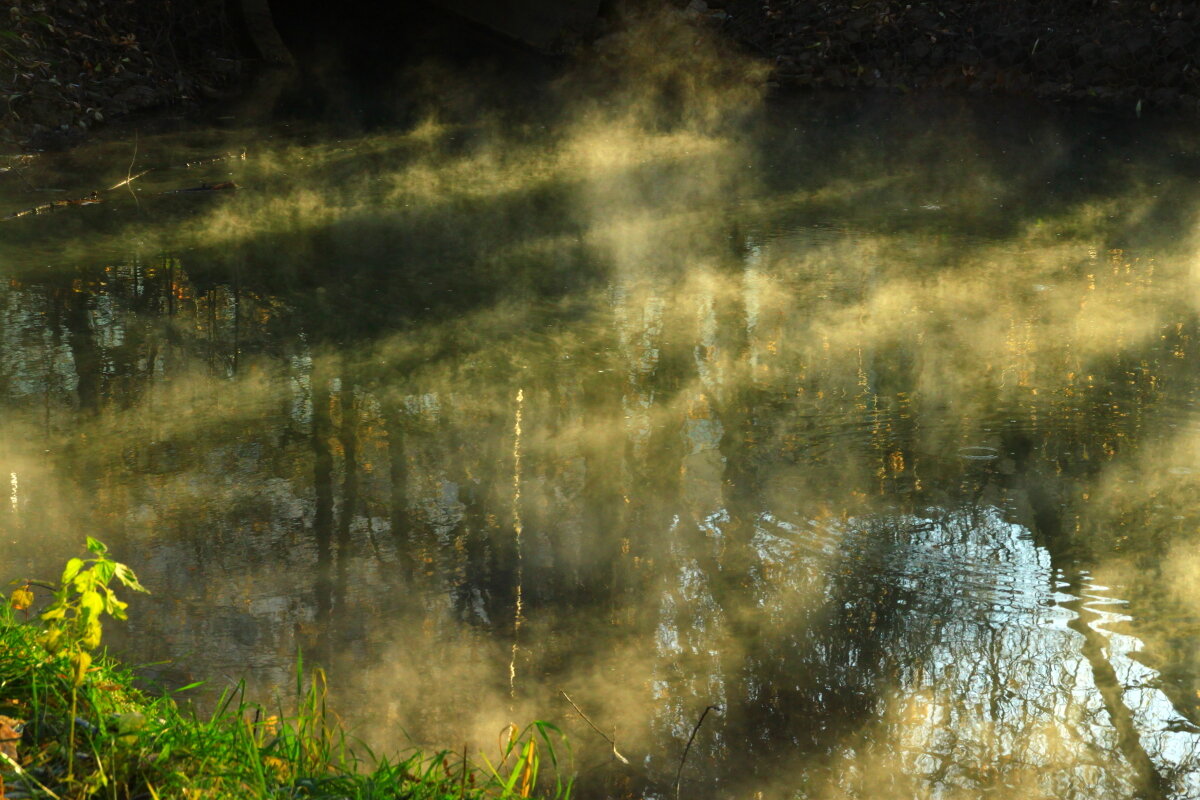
{"x": 1133, "y": 56}
{"x": 76, "y": 69}
{"x": 74, "y": 65}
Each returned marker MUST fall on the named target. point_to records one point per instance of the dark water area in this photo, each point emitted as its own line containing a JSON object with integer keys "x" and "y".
{"x": 872, "y": 423}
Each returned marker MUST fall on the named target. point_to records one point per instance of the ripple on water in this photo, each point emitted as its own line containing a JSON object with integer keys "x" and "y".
{"x": 1001, "y": 666}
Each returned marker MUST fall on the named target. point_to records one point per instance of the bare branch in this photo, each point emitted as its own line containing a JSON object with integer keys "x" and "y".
{"x": 683, "y": 758}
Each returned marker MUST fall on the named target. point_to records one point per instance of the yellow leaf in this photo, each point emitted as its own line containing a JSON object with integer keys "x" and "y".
{"x": 281, "y": 768}
{"x": 50, "y": 639}
{"x": 529, "y": 773}
{"x": 21, "y": 598}
{"x": 92, "y": 604}
{"x": 80, "y": 661}
{"x": 91, "y": 635}
{"x": 56, "y": 611}
{"x": 71, "y": 570}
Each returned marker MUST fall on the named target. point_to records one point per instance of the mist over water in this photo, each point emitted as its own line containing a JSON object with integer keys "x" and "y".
{"x": 872, "y": 423}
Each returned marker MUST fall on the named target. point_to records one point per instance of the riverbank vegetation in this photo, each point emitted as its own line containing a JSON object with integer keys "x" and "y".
{"x": 74, "y": 725}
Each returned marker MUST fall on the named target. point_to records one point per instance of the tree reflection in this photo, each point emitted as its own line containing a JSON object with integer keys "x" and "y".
{"x": 846, "y": 482}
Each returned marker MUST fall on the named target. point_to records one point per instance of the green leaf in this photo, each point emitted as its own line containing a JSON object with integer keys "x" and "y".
{"x": 71, "y": 570}
{"x": 188, "y": 687}
{"x": 85, "y": 581}
{"x": 92, "y": 605}
{"x": 96, "y": 546}
{"x": 130, "y": 722}
{"x": 104, "y": 570}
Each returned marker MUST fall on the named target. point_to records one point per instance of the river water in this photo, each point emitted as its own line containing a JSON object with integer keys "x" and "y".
{"x": 871, "y": 423}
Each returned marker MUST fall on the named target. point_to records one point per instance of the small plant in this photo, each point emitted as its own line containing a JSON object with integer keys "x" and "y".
{"x": 147, "y": 746}
{"x": 71, "y": 623}
{"x": 522, "y": 778}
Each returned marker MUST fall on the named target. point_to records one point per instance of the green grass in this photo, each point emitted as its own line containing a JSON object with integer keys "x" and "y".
{"x": 130, "y": 745}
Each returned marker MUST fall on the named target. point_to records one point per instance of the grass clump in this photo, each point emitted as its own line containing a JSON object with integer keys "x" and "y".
{"x": 73, "y": 726}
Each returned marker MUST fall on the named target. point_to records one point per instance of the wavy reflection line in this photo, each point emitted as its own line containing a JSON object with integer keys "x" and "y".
{"x": 517, "y": 527}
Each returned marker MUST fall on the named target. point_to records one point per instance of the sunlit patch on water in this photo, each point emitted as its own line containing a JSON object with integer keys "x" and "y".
{"x": 992, "y": 686}
{"x": 1170, "y": 739}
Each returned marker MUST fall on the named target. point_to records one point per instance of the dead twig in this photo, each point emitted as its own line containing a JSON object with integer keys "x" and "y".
{"x": 683, "y": 758}
{"x": 584, "y": 716}
{"x": 128, "y": 180}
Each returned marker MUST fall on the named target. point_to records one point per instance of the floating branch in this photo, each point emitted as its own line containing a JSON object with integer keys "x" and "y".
{"x": 46, "y": 208}
{"x": 96, "y": 196}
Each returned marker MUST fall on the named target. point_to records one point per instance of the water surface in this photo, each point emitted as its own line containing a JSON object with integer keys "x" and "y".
{"x": 873, "y": 424}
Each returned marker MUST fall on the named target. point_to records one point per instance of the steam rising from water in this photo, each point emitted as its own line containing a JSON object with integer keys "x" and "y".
{"x": 643, "y": 400}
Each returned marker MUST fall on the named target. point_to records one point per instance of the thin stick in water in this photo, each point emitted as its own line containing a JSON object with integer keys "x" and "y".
{"x": 683, "y": 758}
{"x": 128, "y": 180}
{"x": 612, "y": 742}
